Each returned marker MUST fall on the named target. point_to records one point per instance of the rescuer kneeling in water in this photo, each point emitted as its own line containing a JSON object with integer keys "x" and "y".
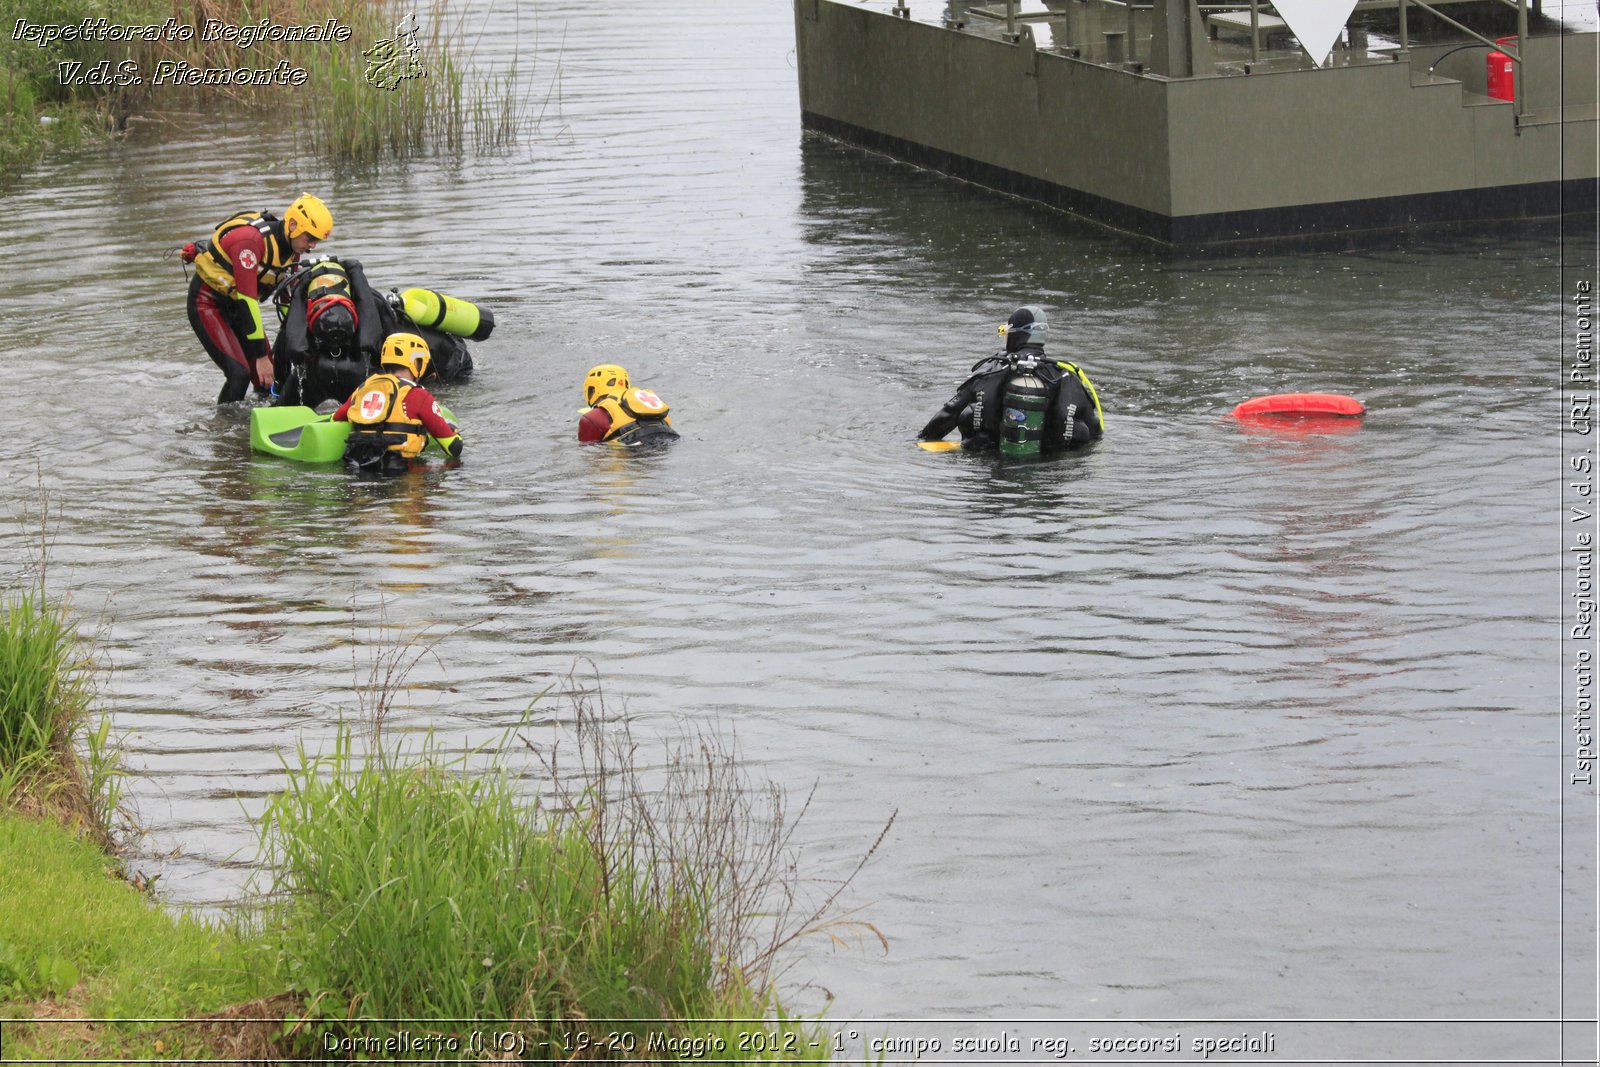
{"x": 1020, "y": 400}
{"x": 391, "y": 417}
{"x": 234, "y": 269}
{"x": 620, "y": 414}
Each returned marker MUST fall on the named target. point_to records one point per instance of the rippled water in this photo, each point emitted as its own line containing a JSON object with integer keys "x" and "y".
{"x": 1204, "y": 722}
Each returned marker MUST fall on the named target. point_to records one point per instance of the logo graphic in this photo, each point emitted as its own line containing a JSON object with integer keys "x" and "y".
{"x": 247, "y": 260}
{"x": 646, "y": 399}
{"x": 393, "y": 60}
{"x": 1316, "y": 23}
{"x": 372, "y": 404}
{"x": 1013, "y": 415}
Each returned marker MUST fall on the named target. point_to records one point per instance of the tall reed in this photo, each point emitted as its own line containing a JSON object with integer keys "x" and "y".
{"x": 701, "y": 834}
{"x": 609, "y": 915}
{"x": 452, "y": 104}
{"x": 44, "y": 684}
{"x": 448, "y": 103}
{"x": 55, "y": 758}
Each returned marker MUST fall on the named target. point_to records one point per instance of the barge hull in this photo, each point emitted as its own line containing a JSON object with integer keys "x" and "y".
{"x": 1312, "y": 153}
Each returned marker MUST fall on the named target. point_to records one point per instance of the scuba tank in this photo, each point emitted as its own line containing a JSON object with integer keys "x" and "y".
{"x": 450, "y": 314}
{"x": 1022, "y": 407}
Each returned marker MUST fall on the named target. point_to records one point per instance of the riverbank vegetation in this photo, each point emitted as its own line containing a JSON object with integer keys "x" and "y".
{"x": 593, "y": 904}
{"x": 54, "y": 760}
{"x": 606, "y": 915}
{"x": 380, "y": 80}
{"x": 76, "y": 940}
{"x": 38, "y": 109}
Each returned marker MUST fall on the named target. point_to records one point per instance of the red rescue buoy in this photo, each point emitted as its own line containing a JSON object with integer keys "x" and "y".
{"x": 1300, "y": 404}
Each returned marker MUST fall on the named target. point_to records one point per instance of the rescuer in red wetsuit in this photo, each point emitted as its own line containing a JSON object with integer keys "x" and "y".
{"x": 391, "y": 417}
{"x": 620, "y": 414}
{"x": 234, "y": 270}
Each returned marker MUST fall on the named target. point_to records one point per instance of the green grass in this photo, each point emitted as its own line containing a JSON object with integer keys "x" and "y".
{"x": 344, "y": 117}
{"x": 412, "y": 890}
{"x": 74, "y": 935}
{"x": 42, "y": 682}
{"x": 31, "y": 86}
{"x": 51, "y": 757}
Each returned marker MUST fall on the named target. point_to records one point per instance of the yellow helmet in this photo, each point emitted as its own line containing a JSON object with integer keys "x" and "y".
{"x": 607, "y": 379}
{"x": 309, "y": 215}
{"x": 408, "y": 351}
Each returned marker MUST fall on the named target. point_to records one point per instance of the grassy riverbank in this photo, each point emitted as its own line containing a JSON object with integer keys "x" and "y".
{"x": 54, "y": 760}
{"x": 78, "y": 942}
{"x": 36, "y": 109}
{"x": 590, "y": 907}
{"x": 76, "y": 939}
{"x": 58, "y": 84}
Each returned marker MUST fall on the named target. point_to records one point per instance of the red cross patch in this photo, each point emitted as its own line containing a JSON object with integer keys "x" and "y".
{"x": 372, "y": 404}
{"x": 248, "y": 260}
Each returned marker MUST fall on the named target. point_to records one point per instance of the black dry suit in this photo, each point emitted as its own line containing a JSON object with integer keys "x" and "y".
{"x": 317, "y": 365}
{"x": 312, "y": 366}
{"x": 990, "y": 407}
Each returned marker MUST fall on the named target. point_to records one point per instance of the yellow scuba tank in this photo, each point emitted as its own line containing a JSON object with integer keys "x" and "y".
{"x": 448, "y": 313}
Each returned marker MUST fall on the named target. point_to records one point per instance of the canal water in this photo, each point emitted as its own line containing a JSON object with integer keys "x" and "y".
{"x": 1206, "y": 722}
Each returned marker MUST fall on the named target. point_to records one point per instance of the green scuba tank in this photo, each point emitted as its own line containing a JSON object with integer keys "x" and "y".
{"x": 448, "y": 313}
{"x": 1022, "y": 408}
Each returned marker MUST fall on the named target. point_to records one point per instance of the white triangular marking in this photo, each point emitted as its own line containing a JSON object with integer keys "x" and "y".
{"x": 1316, "y": 23}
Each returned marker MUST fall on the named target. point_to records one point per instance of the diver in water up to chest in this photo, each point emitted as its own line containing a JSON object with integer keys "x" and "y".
{"x": 1022, "y": 401}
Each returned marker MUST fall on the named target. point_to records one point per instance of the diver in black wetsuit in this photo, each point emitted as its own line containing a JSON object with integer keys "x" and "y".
{"x": 334, "y": 326}
{"x": 1020, "y": 400}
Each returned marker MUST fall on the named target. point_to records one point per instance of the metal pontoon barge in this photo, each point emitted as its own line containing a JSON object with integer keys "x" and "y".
{"x": 1201, "y": 124}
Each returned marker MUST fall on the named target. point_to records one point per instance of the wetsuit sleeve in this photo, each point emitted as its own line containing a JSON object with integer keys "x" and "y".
{"x": 948, "y": 417}
{"x": 1076, "y": 389}
{"x": 244, "y": 248}
{"x": 421, "y": 405}
{"x": 1098, "y": 421}
{"x": 1072, "y": 415}
{"x": 592, "y": 426}
{"x": 344, "y": 409}
{"x": 294, "y": 340}
{"x": 371, "y": 309}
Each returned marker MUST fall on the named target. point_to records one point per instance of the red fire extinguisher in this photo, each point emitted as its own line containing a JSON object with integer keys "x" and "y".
{"x": 1502, "y": 71}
